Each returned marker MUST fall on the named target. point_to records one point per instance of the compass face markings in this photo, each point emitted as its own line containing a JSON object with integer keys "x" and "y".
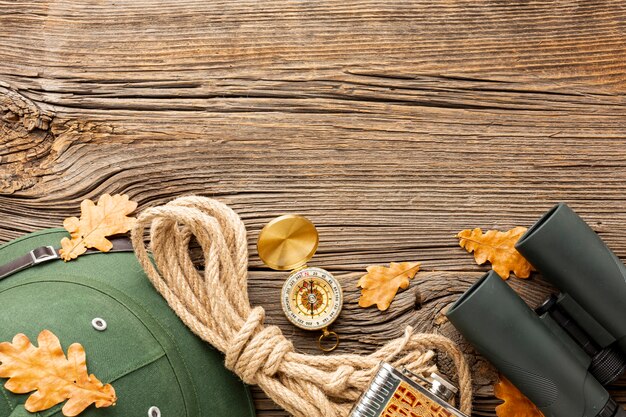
{"x": 311, "y": 298}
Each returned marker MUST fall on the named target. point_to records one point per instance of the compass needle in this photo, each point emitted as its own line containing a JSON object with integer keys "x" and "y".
{"x": 312, "y": 300}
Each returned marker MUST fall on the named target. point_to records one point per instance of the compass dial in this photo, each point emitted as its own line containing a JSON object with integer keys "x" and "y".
{"x": 312, "y": 298}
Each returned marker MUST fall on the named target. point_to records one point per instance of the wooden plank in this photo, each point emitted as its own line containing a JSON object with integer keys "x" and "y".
{"x": 392, "y": 125}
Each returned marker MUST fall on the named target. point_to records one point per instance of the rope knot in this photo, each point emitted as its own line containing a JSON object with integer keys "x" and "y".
{"x": 257, "y": 348}
{"x": 339, "y": 380}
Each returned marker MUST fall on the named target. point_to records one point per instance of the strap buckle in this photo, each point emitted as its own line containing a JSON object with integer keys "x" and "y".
{"x": 43, "y": 254}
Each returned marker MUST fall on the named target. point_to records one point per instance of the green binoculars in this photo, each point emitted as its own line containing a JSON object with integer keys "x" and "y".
{"x": 563, "y": 353}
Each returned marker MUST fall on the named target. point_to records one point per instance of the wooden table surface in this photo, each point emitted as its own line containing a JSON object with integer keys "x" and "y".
{"x": 391, "y": 124}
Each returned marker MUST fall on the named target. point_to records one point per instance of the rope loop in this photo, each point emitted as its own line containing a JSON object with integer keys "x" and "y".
{"x": 339, "y": 380}
{"x": 214, "y": 305}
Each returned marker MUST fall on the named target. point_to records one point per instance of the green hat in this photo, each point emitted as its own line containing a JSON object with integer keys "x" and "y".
{"x": 132, "y": 339}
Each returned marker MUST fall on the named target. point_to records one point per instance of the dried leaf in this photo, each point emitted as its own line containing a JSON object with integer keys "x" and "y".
{"x": 52, "y": 376}
{"x": 381, "y": 283}
{"x": 96, "y": 222}
{"x": 515, "y": 403}
{"x": 76, "y": 246}
{"x": 498, "y": 248}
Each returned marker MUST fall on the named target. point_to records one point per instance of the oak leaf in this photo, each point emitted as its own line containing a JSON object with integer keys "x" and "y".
{"x": 515, "y": 403}
{"x": 498, "y": 248}
{"x": 52, "y": 376}
{"x": 97, "y": 221}
{"x": 381, "y": 283}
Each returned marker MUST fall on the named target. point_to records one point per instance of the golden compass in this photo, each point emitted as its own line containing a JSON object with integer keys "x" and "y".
{"x": 311, "y": 297}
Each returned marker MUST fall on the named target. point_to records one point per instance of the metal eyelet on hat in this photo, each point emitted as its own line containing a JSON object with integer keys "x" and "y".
{"x": 154, "y": 411}
{"x": 99, "y": 324}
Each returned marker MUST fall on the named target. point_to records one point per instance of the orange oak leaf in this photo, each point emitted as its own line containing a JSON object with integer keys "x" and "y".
{"x": 498, "y": 248}
{"x": 381, "y": 283}
{"x": 97, "y": 221}
{"x": 515, "y": 403}
{"x": 52, "y": 376}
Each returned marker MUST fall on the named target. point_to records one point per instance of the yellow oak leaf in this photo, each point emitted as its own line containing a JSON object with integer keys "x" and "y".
{"x": 97, "y": 221}
{"x": 75, "y": 246}
{"x": 515, "y": 403}
{"x": 498, "y": 248}
{"x": 52, "y": 376}
{"x": 381, "y": 283}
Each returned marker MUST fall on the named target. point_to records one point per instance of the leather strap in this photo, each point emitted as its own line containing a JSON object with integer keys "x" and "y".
{"x": 44, "y": 254}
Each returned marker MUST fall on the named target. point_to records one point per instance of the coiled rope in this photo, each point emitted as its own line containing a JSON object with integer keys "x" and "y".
{"x": 214, "y": 304}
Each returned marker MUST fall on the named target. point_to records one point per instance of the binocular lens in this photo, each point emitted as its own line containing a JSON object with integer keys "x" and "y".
{"x": 510, "y": 335}
{"x": 570, "y": 255}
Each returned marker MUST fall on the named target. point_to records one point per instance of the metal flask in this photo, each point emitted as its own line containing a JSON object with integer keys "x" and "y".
{"x": 400, "y": 393}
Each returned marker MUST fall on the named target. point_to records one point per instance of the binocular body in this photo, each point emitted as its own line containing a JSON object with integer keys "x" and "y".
{"x": 562, "y": 354}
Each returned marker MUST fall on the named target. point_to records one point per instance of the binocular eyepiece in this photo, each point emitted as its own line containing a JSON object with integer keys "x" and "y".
{"x": 561, "y": 354}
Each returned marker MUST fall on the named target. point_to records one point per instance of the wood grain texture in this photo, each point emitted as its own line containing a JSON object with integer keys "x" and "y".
{"x": 391, "y": 124}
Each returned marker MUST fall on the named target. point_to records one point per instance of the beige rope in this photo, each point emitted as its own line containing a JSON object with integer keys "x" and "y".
{"x": 214, "y": 304}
